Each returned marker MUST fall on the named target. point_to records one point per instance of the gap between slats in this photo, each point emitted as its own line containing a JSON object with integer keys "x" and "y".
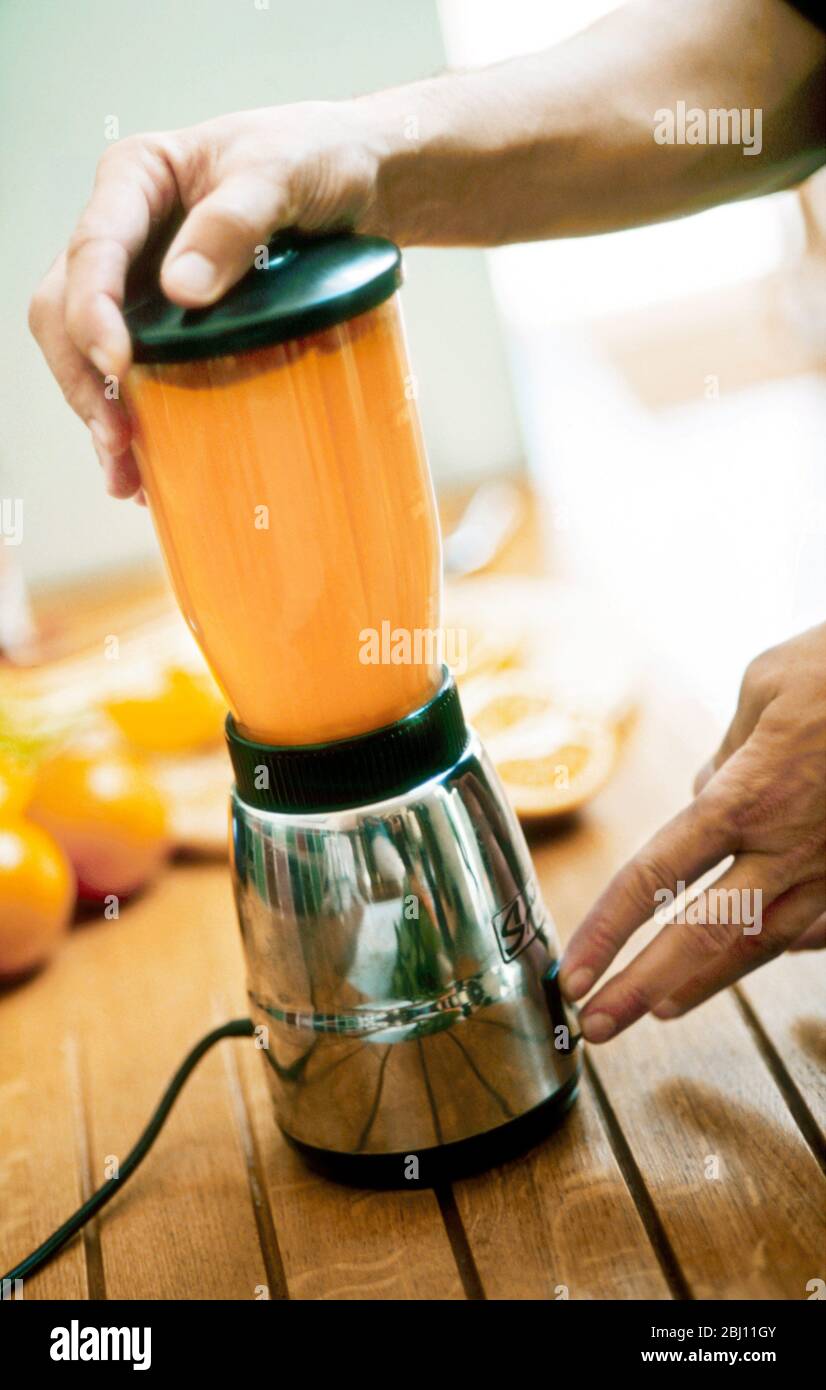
{"x": 267, "y": 1234}
{"x": 635, "y": 1182}
{"x": 259, "y": 1195}
{"x": 459, "y": 1243}
{"x": 78, "y": 1088}
{"x": 454, "y": 1228}
{"x": 784, "y": 1081}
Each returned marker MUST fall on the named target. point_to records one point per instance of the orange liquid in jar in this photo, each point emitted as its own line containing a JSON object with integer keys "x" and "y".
{"x": 290, "y": 490}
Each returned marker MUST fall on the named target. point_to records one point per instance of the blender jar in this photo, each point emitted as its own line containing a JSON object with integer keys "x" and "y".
{"x": 279, "y": 445}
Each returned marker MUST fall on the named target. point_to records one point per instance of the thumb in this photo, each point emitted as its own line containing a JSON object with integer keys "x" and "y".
{"x": 217, "y": 241}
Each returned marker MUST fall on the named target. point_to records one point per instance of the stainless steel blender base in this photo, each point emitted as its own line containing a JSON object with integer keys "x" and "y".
{"x": 401, "y": 971}
{"x": 443, "y": 1162}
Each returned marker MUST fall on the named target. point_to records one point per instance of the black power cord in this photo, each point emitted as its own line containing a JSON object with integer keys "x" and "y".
{"x": 238, "y": 1028}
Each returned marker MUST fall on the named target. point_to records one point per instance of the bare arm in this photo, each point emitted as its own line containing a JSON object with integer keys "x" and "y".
{"x": 554, "y": 144}
{"x": 562, "y": 142}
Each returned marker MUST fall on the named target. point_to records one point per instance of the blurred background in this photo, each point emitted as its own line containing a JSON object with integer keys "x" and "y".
{"x": 671, "y": 393}
{"x": 662, "y": 389}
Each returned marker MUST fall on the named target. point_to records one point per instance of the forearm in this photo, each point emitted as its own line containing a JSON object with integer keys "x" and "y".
{"x": 562, "y": 143}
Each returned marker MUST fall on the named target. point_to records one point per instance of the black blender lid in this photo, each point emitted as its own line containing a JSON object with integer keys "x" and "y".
{"x": 308, "y": 284}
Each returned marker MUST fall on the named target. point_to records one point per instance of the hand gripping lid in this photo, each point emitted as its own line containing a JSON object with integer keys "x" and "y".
{"x": 303, "y": 284}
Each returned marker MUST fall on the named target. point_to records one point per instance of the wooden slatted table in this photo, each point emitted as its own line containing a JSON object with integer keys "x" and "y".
{"x": 692, "y": 1166}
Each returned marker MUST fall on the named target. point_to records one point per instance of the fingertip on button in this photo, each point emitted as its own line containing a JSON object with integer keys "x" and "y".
{"x": 576, "y": 982}
{"x": 597, "y": 1027}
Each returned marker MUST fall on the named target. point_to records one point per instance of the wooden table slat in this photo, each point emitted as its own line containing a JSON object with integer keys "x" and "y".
{"x": 738, "y": 1191}
{"x": 40, "y": 1136}
{"x": 788, "y": 999}
{"x": 342, "y": 1243}
{"x": 696, "y": 1090}
{"x": 560, "y": 1222}
{"x": 140, "y": 991}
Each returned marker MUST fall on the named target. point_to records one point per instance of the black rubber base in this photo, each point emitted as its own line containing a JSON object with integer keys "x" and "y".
{"x": 445, "y": 1162}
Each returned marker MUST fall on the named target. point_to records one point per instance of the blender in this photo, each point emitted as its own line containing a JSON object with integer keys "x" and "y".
{"x": 401, "y": 963}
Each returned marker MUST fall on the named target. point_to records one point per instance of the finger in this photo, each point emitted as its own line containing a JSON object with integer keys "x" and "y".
{"x": 751, "y": 702}
{"x": 122, "y": 476}
{"x": 738, "y": 731}
{"x": 813, "y": 938}
{"x": 82, "y": 386}
{"x": 134, "y": 188}
{"x": 706, "y": 773}
{"x": 218, "y": 240}
{"x": 693, "y": 842}
{"x": 704, "y": 939}
{"x": 787, "y": 923}
{"x": 120, "y": 472}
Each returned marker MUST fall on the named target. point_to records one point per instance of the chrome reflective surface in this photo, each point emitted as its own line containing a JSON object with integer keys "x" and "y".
{"x": 396, "y": 956}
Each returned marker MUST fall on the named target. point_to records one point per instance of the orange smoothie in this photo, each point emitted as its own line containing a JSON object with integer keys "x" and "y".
{"x": 290, "y": 490}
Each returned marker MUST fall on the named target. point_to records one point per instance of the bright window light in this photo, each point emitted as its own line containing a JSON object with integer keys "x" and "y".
{"x": 584, "y": 277}
{"x": 477, "y": 32}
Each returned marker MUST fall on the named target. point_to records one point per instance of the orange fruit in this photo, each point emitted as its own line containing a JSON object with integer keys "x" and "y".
{"x": 186, "y": 713}
{"x": 16, "y": 781}
{"x": 105, "y": 810}
{"x": 37, "y": 894}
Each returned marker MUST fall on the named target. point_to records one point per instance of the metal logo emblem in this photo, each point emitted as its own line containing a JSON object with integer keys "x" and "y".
{"x": 518, "y": 923}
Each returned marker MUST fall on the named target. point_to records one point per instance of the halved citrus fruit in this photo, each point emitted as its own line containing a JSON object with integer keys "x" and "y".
{"x": 547, "y": 682}
{"x": 565, "y": 636}
{"x": 186, "y": 713}
{"x": 550, "y": 762}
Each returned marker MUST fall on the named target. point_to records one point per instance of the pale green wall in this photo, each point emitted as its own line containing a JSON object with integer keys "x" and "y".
{"x": 65, "y": 65}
